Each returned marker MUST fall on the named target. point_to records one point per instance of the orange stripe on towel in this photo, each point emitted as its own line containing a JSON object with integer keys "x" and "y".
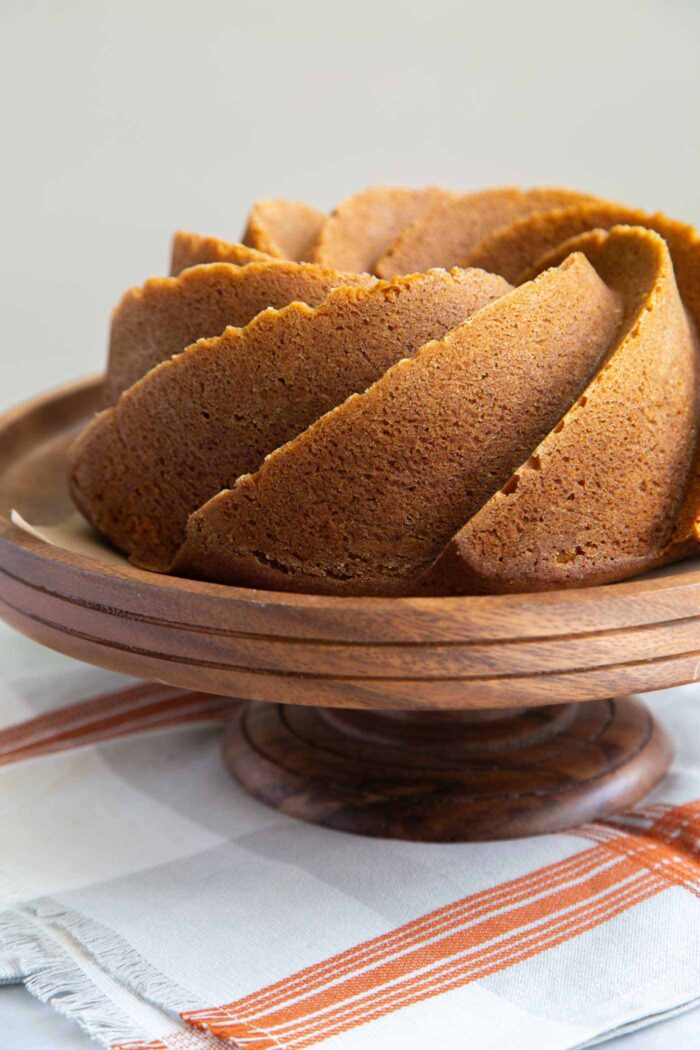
{"x": 184, "y": 1040}
{"x": 518, "y": 950}
{"x": 157, "y": 1044}
{"x": 469, "y": 939}
{"x": 441, "y": 955}
{"x": 441, "y": 920}
{"x": 107, "y": 717}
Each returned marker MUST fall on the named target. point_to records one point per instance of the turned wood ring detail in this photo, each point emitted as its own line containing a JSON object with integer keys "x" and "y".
{"x": 368, "y": 773}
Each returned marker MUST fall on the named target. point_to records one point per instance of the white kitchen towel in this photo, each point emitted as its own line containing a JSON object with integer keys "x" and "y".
{"x": 146, "y": 895}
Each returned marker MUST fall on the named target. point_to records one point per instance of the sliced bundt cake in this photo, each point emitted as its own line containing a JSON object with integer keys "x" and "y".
{"x": 302, "y": 425}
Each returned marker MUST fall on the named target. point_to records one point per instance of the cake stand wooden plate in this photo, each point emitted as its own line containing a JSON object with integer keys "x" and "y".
{"x": 431, "y": 718}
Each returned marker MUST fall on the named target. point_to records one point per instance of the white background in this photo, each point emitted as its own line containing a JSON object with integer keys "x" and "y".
{"x": 121, "y": 122}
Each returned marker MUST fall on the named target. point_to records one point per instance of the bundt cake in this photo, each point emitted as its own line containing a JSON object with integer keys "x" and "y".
{"x": 424, "y": 392}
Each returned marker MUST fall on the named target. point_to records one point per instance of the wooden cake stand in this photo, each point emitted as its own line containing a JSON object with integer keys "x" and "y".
{"x": 435, "y": 718}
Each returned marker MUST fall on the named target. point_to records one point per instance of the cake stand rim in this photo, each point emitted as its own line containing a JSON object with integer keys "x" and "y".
{"x": 410, "y": 653}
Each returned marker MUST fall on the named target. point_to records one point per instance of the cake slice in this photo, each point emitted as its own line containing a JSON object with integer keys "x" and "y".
{"x": 281, "y": 228}
{"x": 361, "y": 229}
{"x": 192, "y": 249}
{"x": 453, "y": 226}
{"x": 599, "y": 498}
{"x": 195, "y": 423}
{"x": 365, "y": 499}
{"x": 166, "y": 314}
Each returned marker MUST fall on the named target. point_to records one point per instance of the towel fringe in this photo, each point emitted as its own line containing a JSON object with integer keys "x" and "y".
{"x": 51, "y": 975}
{"x": 119, "y": 959}
{"x": 120, "y": 1000}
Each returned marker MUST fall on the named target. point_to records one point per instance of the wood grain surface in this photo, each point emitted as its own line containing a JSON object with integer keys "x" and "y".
{"x": 448, "y": 777}
{"x": 486, "y": 651}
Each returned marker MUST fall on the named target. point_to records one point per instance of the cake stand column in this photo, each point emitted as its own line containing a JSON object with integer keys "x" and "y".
{"x": 448, "y": 777}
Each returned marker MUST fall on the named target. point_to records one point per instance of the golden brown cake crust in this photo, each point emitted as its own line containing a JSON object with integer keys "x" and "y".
{"x": 518, "y": 249}
{"x": 195, "y": 423}
{"x": 166, "y": 314}
{"x": 363, "y": 227}
{"x": 598, "y": 499}
{"x": 515, "y": 250}
{"x": 283, "y": 229}
{"x": 365, "y": 499}
{"x": 501, "y": 456}
{"x": 191, "y": 249}
{"x": 454, "y": 226}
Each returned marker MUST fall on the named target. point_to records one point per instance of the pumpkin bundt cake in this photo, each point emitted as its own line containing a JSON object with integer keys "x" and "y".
{"x": 320, "y": 409}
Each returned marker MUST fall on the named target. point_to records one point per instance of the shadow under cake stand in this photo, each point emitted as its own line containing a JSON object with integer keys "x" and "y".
{"x": 444, "y": 719}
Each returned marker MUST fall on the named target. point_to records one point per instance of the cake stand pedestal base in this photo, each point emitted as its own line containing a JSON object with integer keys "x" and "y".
{"x": 448, "y": 777}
